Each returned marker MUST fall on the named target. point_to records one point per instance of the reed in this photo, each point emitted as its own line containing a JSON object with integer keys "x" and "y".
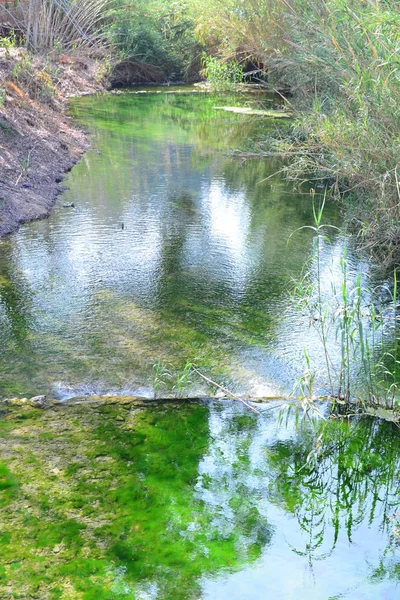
{"x": 340, "y": 61}
{"x": 59, "y": 24}
{"x": 353, "y": 320}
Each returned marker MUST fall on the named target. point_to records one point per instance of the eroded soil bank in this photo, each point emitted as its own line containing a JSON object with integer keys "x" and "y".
{"x": 38, "y": 142}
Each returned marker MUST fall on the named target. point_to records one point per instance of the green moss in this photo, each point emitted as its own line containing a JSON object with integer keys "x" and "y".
{"x": 8, "y": 485}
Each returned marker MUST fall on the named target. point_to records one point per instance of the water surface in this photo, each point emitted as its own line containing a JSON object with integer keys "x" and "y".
{"x": 178, "y": 502}
{"x": 177, "y": 251}
{"x": 174, "y": 251}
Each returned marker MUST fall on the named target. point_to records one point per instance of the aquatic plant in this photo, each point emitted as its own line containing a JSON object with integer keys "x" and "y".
{"x": 119, "y": 513}
{"x": 161, "y": 376}
{"x": 183, "y": 380}
{"x": 348, "y": 317}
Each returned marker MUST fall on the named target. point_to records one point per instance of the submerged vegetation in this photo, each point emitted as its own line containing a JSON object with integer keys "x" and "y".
{"x": 107, "y": 499}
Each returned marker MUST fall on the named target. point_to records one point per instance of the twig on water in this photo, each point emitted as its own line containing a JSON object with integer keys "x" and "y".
{"x": 226, "y": 391}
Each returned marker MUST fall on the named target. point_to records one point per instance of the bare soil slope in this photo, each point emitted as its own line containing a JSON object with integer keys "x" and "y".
{"x": 38, "y": 142}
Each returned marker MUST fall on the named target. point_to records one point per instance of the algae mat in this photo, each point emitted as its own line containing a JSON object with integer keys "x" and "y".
{"x": 109, "y": 500}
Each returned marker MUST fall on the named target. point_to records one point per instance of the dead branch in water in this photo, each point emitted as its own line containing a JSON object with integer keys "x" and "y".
{"x": 226, "y": 391}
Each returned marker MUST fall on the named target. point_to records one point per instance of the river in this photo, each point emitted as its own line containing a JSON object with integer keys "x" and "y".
{"x": 174, "y": 250}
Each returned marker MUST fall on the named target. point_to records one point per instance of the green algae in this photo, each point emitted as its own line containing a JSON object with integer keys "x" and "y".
{"x": 247, "y": 110}
{"x": 107, "y": 499}
{"x": 104, "y": 497}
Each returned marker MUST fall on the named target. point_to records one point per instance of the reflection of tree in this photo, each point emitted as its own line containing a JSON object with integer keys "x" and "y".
{"x": 150, "y": 146}
{"x": 166, "y": 533}
{"x": 228, "y": 483}
{"x": 15, "y": 323}
{"x": 14, "y": 300}
{"x": 353, "y": 481}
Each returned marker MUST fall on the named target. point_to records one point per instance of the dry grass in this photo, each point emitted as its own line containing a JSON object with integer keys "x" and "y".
{"x": 59, "y": 24}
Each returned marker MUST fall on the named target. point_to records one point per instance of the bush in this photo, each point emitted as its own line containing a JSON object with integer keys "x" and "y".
{"x": 221, "y": 75}
{"x": 157, "y": 34}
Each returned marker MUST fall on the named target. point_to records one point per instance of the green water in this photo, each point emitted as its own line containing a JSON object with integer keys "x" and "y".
{"x": 174, "y": 251}
{"x": 109, "y": 501}
{"x": 178, "y": 251}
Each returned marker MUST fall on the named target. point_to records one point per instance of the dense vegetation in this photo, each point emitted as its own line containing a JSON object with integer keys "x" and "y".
{"x": 335, "y": 62}
{"x": 340, "y": 59}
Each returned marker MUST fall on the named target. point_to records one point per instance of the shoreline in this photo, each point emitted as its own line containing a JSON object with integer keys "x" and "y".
{"x": 39, "y": 143}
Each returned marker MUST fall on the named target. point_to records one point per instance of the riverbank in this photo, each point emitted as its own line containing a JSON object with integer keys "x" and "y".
{"x": 38, "y": 141}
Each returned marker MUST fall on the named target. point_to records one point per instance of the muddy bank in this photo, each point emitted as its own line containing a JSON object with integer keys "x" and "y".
{"x": 38, "y": 142}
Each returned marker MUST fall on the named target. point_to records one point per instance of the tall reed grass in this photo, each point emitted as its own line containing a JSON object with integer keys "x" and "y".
{"x": 353, "y": 322}
{"x": 345, "y": 61}
{"x": 61, "y": 24}
{"x": 340, "y": 59}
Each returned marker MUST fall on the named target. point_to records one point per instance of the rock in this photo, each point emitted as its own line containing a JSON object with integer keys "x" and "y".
{"x": 38, "y": 401}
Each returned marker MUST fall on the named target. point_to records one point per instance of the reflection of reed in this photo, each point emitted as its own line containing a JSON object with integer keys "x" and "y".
{"x": 352, "y": 482}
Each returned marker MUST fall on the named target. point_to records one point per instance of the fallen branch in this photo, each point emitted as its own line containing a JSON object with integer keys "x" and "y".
{"x": 226, "y": 391}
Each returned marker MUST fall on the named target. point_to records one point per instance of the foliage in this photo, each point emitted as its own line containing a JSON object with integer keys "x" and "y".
{"x": 239, "y": 30}
{"x": 159, "y": 34}
{"x": 8, "y": 42}
{"x": 221, "y": 75}
{"x": 37, "y": 83}
{"x": 168, "y": 380}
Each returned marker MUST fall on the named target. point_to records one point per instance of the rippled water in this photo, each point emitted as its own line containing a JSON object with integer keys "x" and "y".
{"x": 174, "y": 252}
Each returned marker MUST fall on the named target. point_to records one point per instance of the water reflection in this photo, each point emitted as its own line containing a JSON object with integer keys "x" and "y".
{"x": 329, "y": 517}
{"x": 175, "y": 251}
{"x": 195, "y": 501}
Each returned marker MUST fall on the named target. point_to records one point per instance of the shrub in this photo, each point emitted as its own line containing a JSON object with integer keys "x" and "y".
{"x": 157, "y": 34}
{"x": 221, "y": 75}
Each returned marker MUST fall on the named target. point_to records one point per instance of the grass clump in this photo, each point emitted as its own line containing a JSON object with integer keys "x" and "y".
{"x": 222, "y": 76}
{"x": 357, "y": 329}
